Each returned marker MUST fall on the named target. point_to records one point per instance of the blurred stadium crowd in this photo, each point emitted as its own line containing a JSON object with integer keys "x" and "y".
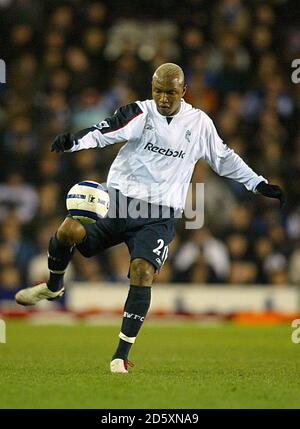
{"x": 70, "y": 64}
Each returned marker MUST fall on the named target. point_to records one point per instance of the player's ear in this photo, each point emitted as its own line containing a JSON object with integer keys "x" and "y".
{"x": 184, "y": 90}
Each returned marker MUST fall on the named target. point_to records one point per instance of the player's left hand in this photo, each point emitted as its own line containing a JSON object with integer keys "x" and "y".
{"x": 272, "y": 191}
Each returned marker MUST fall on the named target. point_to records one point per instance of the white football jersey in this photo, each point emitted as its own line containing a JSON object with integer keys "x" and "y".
{"x": 157, "y": 162}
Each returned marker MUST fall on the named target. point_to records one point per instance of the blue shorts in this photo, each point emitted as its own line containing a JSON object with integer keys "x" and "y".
{"x": 146, "y": 237}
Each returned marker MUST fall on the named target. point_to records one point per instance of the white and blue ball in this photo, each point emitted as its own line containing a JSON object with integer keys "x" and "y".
{"x": 87, "y": 201}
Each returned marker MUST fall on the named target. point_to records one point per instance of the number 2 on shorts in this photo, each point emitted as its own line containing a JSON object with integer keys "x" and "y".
{"x": 158, "y": 249}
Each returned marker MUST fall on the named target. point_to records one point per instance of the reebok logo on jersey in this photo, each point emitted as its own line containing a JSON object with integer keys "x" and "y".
{"x": 166, "y": 152}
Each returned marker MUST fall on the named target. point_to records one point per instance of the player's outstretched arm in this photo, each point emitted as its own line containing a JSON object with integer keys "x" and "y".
{"x": 125, "y": 124}
{"x": 63, "y": 142}
{"x": 271, "y": 191}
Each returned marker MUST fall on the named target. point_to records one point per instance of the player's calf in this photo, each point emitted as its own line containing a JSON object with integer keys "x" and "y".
{"x": 135, "y": 310}
{"x": 60, "y": 251}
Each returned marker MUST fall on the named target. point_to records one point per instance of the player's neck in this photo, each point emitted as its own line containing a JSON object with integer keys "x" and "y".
{"x": 170, "y": 117}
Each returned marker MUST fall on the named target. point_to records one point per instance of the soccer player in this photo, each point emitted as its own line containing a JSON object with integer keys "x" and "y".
{"x": 165, "y": 137}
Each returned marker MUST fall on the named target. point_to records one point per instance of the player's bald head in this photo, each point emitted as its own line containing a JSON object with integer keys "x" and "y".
{"x": 169, "y": 72}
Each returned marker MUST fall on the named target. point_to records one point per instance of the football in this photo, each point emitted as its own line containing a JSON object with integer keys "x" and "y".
{"x": 87, "y": 201}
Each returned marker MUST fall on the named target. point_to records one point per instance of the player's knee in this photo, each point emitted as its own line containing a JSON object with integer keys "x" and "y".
{"x": 141, "y": 272}
{"x": 71, "y": 231}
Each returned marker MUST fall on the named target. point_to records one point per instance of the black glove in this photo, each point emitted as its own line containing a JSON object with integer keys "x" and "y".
{"x": 272, "y": 191}
{"x": 63, "y": 142}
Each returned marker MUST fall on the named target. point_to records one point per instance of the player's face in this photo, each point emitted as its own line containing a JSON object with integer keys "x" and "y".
{"x": 167, "y": 95}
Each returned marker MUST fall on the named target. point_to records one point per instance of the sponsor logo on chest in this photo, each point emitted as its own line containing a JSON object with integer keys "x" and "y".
{"x": 166, "y": 152}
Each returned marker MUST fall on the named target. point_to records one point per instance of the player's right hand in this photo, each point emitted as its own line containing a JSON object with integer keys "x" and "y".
{"x": 63, "y": 142}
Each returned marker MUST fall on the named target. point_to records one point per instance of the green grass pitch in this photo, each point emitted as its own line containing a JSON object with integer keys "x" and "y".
{"x": 182, "y": 366}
